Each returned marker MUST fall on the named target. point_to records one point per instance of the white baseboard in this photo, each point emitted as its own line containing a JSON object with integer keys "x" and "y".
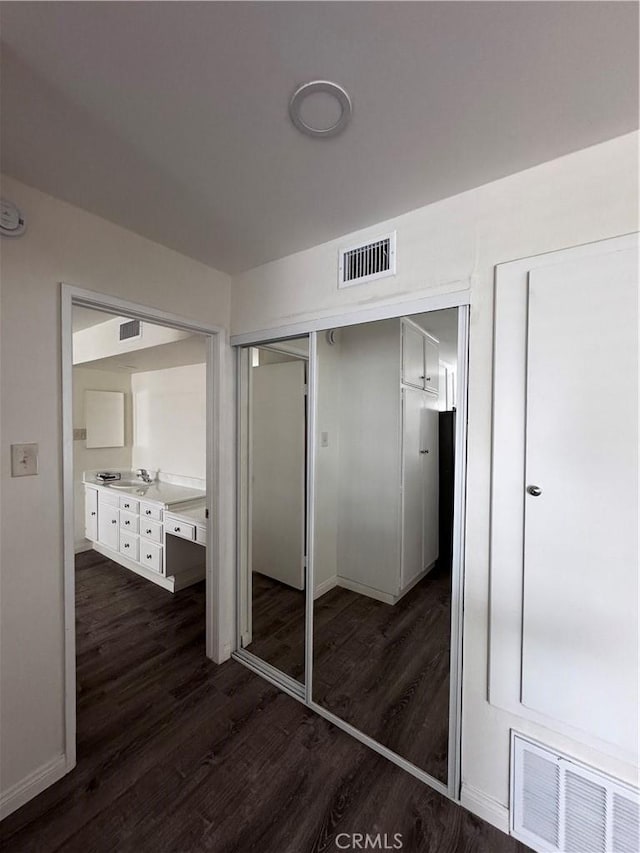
{"x": 325, "y": 586}
{"x": 486, "y": 807}
{"x": 32, "y": 785}
{"x": 82, "y": 545}
{"x": 369, "y": 591}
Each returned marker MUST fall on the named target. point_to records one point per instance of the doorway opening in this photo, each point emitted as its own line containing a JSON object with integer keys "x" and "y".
{"x": 141, "y": 432}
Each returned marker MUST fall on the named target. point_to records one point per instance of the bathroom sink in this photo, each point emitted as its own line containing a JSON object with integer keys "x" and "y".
{"x": 127, "y": 484}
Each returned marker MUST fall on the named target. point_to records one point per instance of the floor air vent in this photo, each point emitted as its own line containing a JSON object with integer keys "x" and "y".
{"x": 368, "y": 261}
{"x": 130, "y": 329}
{"x": 561, "y": 806}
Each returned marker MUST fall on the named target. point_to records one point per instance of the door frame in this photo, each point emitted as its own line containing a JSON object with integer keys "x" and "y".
{"x": 460, "y": 299}
{"x": 219, "y": 534}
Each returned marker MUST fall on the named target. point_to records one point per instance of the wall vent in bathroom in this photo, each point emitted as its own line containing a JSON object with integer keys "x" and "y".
{"x": 559, "y": 805}
{"x": 367, "y": 261}
{"x": 130, "y": 329}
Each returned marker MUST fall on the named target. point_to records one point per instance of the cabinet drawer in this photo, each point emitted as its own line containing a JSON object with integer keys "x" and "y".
{"x": 151, "y": 511}
{"x": 151, "y": 529}
{"x": 201, "y": 535}
{"x": 128, "y": 521}
{"x": 129, "y": 545}
{"x": 129, "y": 504}
{"x": 151, "y": 556}
{"x": 179, "y": 528}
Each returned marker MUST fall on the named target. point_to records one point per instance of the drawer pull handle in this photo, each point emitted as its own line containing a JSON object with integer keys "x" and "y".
{"x": 424, "y": 451}
{"x": 126, "y": 506}
{"x": 176, "y": 530}
{"x": 114, "y": 521}
{"x": 148, "y": 531}
{"x": 149, "y": 556}
{"x": 127, "y": 522}
{"x": 126, "y": 544}
{"x": 147, "y": 511}
{"x": 428, "y": 378}
{"x": 93, "y": 513}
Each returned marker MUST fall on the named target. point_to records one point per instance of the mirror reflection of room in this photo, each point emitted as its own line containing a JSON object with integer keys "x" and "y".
{"x": 274, "y": 611}
{"x": 384, "y": 521}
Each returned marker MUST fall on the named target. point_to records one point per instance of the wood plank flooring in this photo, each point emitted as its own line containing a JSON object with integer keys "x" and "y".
{"x": 383, "y": 668}
{"x": 178, "y": 754}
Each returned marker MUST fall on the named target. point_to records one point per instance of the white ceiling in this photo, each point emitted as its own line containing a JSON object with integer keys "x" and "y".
{"x": 171, "y": 118}
{"x": 191, "y": 350}
{"x": 85, "y": 318}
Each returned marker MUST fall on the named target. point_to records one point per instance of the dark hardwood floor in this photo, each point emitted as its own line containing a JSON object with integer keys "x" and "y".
{"x": 177, "y": 754}
{"x": 278, "y": 616}
{"x": 385, "y": 668}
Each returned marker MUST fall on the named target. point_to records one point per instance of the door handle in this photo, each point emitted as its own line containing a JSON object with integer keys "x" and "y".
{"x": 534, "y": 491}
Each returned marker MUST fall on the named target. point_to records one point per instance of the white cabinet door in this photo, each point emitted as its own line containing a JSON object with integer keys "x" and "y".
{"x": 91, "y": 514}
{"x": 412, "y": 356}
{"x": 580, "y": 615}
{"x": 412, "y": 484}
{"x": 431, "y": 365}
{"x": 278, "y": 471}
{"x": 108, "y": 525}
{"x": 431, "y": 482}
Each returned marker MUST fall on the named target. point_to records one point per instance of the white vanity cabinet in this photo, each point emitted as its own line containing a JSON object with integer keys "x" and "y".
{"x": 387, "y": 496}
{"x": 131, "y": 532}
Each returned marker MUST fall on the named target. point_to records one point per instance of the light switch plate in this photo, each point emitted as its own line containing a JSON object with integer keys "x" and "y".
{"x": 24, "y": 460}
{"x": 324, "y": 439}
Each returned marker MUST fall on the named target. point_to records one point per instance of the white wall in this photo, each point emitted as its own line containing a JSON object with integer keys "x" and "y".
{"x": 87, "y": 459}
{"x": 103, "y": 339}
{"x": 62, "y": 243}
{"x": 585, "y": 196}
{"x": 170, "y": 419}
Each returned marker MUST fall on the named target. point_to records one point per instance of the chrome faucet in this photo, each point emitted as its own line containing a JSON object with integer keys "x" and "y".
{"x": 143, "y": 474}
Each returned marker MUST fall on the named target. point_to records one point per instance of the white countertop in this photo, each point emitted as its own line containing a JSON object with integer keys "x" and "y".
{"x": 191, "y": 515}
{"x": 166, "y": 494}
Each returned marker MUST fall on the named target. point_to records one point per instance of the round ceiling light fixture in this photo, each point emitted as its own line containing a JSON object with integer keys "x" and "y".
{"x": 320, "y": 108}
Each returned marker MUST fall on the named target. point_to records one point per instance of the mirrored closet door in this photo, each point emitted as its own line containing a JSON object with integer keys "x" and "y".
{"x": 273, "y": 419}
{"x": 383, "y": 520}
{"x": 351, "y": 447}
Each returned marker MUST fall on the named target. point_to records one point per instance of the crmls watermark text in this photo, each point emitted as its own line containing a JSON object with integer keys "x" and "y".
{"x": 365, "y": 841}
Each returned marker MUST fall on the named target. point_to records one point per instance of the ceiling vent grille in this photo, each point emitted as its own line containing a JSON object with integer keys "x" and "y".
{"x": 561, "y": 806}
{"x": 367, "y": 261}
{"x": 130, "y": 329}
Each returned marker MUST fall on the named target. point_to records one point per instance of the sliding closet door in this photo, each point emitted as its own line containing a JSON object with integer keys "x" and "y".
{"x": 273, "y": 422}
{"x": 382, "y": 627}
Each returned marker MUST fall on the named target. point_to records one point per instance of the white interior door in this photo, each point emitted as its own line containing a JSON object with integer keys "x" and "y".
{"x": 278, "y": 471}
{"x": 580, "y": 603}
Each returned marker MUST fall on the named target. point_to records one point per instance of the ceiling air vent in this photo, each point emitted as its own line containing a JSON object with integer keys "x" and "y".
{"x": 130, "y": 329}
{"x": 368, "y": 261}
{"x": 559, "y": 805}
